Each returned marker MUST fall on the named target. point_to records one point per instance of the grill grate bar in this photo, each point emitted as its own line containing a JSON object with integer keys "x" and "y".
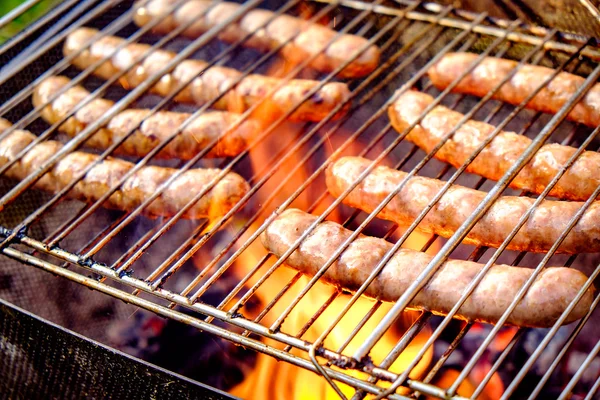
{"x": 181, "y": 317}
{"x": 586, "y": 363}
{"x": 273, "y": 302}
{"x": 497, "y": 364}
{"x": 297, "y": 146}
{"x": 92, "y": 128}
{"x": 593, "y": 390}
{"x": 382, "y": 204}
{"x": 335, "y": 203}
{"x": 461, "y": 334}
{"x": 451, "y": 244}
{"x": 491, "y": 197}
{"x": 291, "y": 198}
{"x": 359, "y": 326}
{"x": 223, "y": 55}
{"x": 363, "y": 100}
{"x": 564, "y": 349}
{"x": 58, "y": 67}
{"x": 17, "y": 12}
{"x": 49, "y": 33}
{"x": 226, "y": 169}
{"x": 411, "y": 333}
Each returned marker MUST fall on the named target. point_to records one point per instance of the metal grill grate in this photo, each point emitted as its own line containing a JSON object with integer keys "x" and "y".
{"x": 412, "y": 38}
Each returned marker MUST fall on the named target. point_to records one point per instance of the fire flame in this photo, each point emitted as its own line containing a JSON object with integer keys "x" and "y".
{"x": 271, "y": 379}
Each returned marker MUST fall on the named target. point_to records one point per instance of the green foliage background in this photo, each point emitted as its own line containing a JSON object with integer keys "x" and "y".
{"x": 23, "y": 20}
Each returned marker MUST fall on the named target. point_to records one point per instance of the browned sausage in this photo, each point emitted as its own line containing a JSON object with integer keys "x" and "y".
{"x": 196, "y": 136}
{"x": 548, "y": 297}
{"x": 134, "y": 191}
{"x": 578, "y": 182}
{"x": 538, "y": 234}
{"x": 491, "y": 71}
{"x": 311, "y": 38}
{"x": 249, "y": 91}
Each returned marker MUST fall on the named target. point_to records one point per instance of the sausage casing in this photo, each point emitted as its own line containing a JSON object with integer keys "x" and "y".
{"x": 547, "y": 298}
{"x": 157, "y": 126}
{"x": 209, "y": 84}
{"x": 133, "y": 192}
{"x": 578, "y": 182}
{"x": 311, "y": 38}
{"x": 538, "y": 234}
{"x": 491, "y": 71}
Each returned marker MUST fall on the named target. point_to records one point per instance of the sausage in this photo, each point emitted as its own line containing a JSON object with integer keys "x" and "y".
{"x": 538, "y": 234}
{"x": 133, "y": 192}
{"x": 578, "y": 182}
{"x": 311, "y": 39}
{"x": 195, "y": 137}
{"x": 490, "y": 72}
{"x": 548, "y": 297}
{"x": 205, "y": 86}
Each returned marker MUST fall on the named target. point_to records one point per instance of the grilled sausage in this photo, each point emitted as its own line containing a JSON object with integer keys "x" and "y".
{"x": 578, "y": 182}
{"x": 539, "y": 233}
{"x": 205, "y": 87}
{"x": 196, "y": 136}
{"x": 311, "y": 38}
{"x": 548, "y": 297}
{"x": 133, "y": 192}
{"x": 490, "y": 71}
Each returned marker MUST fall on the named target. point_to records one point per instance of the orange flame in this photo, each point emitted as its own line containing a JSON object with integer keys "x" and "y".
{"x": 271, "y": 379}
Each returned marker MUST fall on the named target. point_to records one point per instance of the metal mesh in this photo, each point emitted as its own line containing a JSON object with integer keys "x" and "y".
{"x": 143, "y": 256}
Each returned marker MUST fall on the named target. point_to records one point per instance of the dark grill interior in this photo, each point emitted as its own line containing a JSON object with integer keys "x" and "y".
{"x": 209, "y": 275}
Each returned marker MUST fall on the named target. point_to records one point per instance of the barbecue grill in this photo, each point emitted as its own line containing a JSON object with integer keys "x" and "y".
{"x": 168, "y": 265}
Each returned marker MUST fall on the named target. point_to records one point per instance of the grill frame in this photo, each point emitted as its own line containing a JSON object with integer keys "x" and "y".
{"x": 469, "y": 24}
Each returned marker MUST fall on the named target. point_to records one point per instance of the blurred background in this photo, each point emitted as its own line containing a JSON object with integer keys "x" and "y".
{"x": 35, "y": 9}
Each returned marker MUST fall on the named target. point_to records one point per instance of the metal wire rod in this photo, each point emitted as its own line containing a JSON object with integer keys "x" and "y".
{"x": 593, "y": 390}
{"x": 102, "y": 7}
{"x": 463, "y": 230}
{"x": 225, "y": 170}
{"x": 117, "y": 107}
{"x": 225, "y": 53}
{"x": 586, "y": 363}
{"x": 273, "y": 195}
{"x": 29, "y": 30}
{"x": 493, "y": 194}
{"x": 564, "y": 349}
{"x": 263, "y": 180}
{"x": 337, "y": 201}
{"x": 17, "y": 12}
{"x": 184, "y": 318}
